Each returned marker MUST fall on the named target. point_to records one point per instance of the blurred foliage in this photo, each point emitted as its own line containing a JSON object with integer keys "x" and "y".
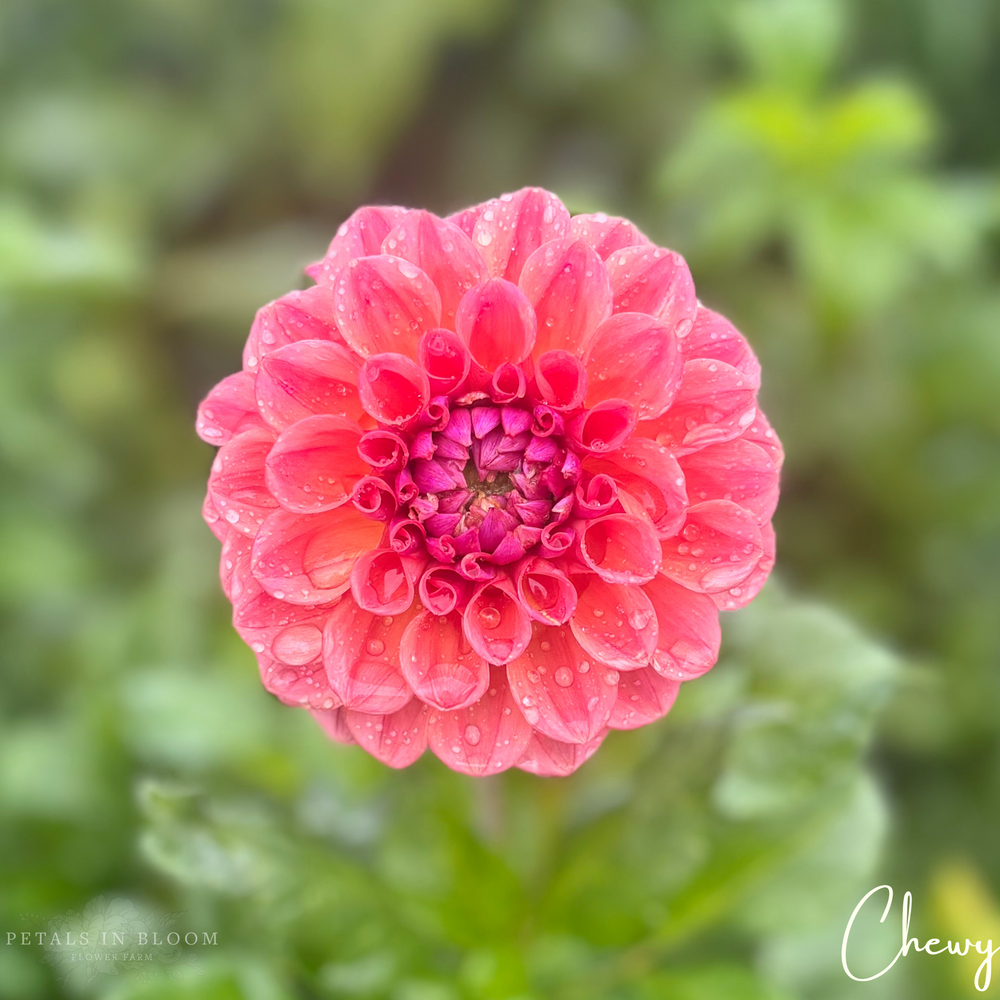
{"x": 830, "y": 170}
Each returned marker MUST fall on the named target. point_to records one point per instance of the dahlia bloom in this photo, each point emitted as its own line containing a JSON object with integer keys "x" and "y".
{"x": 486, "y": 485}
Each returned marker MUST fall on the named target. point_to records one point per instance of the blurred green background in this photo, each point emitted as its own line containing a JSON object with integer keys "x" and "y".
{"x": 830, "y": 169}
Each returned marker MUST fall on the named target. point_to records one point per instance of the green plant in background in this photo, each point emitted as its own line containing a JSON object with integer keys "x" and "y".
{"x": 166, "y": 166}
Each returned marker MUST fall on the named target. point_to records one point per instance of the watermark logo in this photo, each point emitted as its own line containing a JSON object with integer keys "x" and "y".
{"x": 112, "y": 937}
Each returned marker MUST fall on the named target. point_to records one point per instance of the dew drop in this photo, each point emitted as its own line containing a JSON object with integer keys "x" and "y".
{"x": 564, "y": 677}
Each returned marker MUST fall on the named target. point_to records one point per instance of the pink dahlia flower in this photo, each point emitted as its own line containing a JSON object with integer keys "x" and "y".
{"x": 486, "y": 485}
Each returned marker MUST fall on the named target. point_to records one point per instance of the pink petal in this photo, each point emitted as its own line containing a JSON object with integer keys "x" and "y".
{"x": 744, "y": 592}
{"x": 381, "y": 582}
{"x": 361, "y": 657}
{"x": 384, "y": 304}
{"x": 604, "y": 428}
{"x": 485, "y": 738}
{"x": 737, "y": 470}
{"x": 568, "y": 285}
{"x": 643, "y": 697}
{"x": 558, "y": 691}
{"x": 314, "y": 465}
{"x": 237, "y": 486}
{"x": 442, "y": 251}
{"x": 510, "y": 228}
{"x": 440, "y": 665}
{"x": 651, "y": 474}
{"x": 211, "y": 516}
{"x": 334, "y": 723}
{"x": 383, "y": 450}
{"x": 445, "y": 358}
{"x": 234, "y": 565}
{"x": 620, "y": 548}
{"x": 396, "y": 740}
{"x": 605, "y": 233}
{"x": 649, "y": 279}
{"x": 442, "y": 590}
{"x": 467, "y": 218}
{"x": 496, "y": 624}
{"x": 562, "y": 380}
{"x": 228, "y": 409}
{"x": 717, "y": 549}
{"x": 508, "y": 383}
{"x": 497, "y": 322}
{"x": 595, "y": 496}
{"x": 307, "y": 377}
{"x": 375, "y": 498}
{"x": 308, "y": 558}
{"x": 393, "y": 388}
{"x": 636, "y": 358}
{"x": 713, "y": 336}
{"x": 545, "y": 592}
{"x": 300, "y": 687}
{"x": 298, "y": 315}
{"x": 714, "y": 403}
{"x": 615, "y": 623}
{"x": 549, "y": 758}
{"x": 689, "y": 639}
{"x": 761, "y": 433}
{"x": 360, "y": 236}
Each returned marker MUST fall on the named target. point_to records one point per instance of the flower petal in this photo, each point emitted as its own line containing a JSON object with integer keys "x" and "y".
{"x": 445, "y": 358}
{"x": 442, "y": 590}
{"x": 714, "y": 403}
{"x": 717, "y": 549}
{"x": 393, "y": 389}
{"x": 485, "y": 738}
{"x": 442, "y": 251}
{"x": 549, "y": 758}
{"x": 545, "y": 592}
{"x": 643, "y": 697}
{"x": 360, "y": 236}
{"x": 561, "y": 379}
{"x": 605, "y": 233}
{"x": 511, "y": 228}
{"x": 568, "y": 286}
{"x": 361, "y": 657}
{"x": 307, "y": 377}
{"x": 397, "y": 739}
{"x": 308, "y": 558}
{"x": 636, "y": 358}
{"x": 689, "y": 634}
{"x": 228, "y": 409}
{"x": 620, "y": 548}
{"x": 334, "y": 723}
{"x": 736, "y": 470}
{"x": 604, "y": 428}
{"x": 381, "y": 582}
{"x": 496, "y": 624}
{"x": 237, "y": 485}
{"x": 558, "y": 691}
{"x": 384, "y": 304}
{"x": 314, "y": 465}
{"x": 762, "y": 434}
{"x": 744, "y": 592}
{"x": 649, "y": 279}
{"x": 497, "y": 323}
{"x": 615, "y": 623}
{"x": 713, "y": 336}
{"x": 298, "y": 315}
{"x": 440, "y": 665}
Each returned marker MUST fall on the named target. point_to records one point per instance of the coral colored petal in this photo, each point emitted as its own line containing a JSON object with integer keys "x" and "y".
{"x": 445, "y": 358}
{"x": 228, "y": 409}
{"x": 615, "y": 623}
{"x": 643, "y": 697}
{"x": 466, "y": 219}
{"x": 360, "y": 236}
{"x": 299, "y": 315}
{"x": 737, "y": 470}
{"x": 442, "y": 590}
{"x": 440, "y": 665}
{"x": 211, "y": 516}
{"x": 620, "y": 548}
{"x": 714, "y": 403}
{"x": 334, "y": 723}
{"x": 237, "y": 486}
{"x": 314, "y": 465}
{"x": 496, "y": 623}
{"x": 384, "y": 304}
{"x": 545, "y": 592}
{"x": 744, "y": 592}
{"x": 234, "y": 565}
{"x": 397, "y": 739}
{"x": 381, "y": 582}
{"x": 549, "y": 758}
{"x": 762, "y": 434}
{"x": 307, "y": 377}
{"x": 713, "y": 336}
{"x": 485, "y": 738}
{"x": 561, "y": 379}
{"x": 497, "y": 323}
{"x": 512, "y": 227}
{"x": 394, "y": 389}
{"x": 636, "y": 358}
{"x": 717, "y": 549}
{"x": 308, "y": 558}
{"x": 557, "y": 689}
{"x": 361, "y": 658}
{"x": 568, "y": 286}
{"x": 298, "y": 686}
{"x": 604, "y": 428}
{"x": 689, "y": 634}
{"x": 443, "y": 252}
{"x": 605, "y": 233}
{"x": 649, "y": 279}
